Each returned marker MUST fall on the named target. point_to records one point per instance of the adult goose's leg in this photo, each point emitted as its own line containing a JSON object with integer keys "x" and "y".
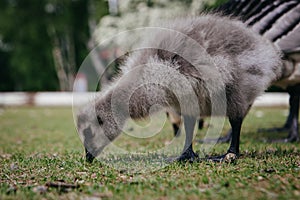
{"x": 291, "y": 124}
{"x": 293, "y": 135}
{"x": 288, "y": 124}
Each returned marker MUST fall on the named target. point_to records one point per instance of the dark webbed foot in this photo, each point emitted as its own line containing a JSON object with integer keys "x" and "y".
{"x": 273, "y": 130}
{"x": 228, "y": 157}
{"x": 188, "y": 155}
{"x": 292, "y": 137}
{"x": 286, "y": 140}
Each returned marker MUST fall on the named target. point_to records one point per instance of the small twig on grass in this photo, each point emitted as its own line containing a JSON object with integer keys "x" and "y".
{"x": 62, "y": 185}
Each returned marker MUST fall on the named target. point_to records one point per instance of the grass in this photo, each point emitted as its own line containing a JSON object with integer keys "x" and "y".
{"x": 40, "y": 147}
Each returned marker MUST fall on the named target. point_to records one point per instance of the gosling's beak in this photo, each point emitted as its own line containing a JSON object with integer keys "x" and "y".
{"x": 88, "y": 156}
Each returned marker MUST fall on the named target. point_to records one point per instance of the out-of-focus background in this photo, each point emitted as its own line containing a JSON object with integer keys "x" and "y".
{"x": 43, "y": 43}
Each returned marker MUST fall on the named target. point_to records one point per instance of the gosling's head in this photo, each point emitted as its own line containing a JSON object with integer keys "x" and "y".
{"x": 97, "y": 127}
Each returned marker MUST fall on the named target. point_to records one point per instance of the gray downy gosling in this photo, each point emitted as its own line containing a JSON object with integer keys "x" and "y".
{"x": 174, "y": 71}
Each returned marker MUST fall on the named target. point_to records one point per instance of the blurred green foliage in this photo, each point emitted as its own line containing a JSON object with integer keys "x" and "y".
{"x": 26, "y": 42}
{"x": 209, "y": 5}
{"x": 30, "y": 29}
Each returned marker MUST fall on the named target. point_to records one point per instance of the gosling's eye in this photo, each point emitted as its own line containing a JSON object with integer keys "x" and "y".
{"x": 99, "y": 120}
{"x": 174, "y": 57}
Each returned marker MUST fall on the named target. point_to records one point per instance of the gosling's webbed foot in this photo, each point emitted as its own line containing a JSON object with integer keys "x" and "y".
{"x": 189, "y": 156}
{"x": 185, "y": 157}
{"x": 228, "y": 157}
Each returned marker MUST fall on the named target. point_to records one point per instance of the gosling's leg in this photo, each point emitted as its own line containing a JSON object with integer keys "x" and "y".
{"x": 188, "y": 153}
{"x": 234, "y": 149}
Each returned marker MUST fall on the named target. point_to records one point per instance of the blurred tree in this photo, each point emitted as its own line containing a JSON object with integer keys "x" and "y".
{"x": 5, "y": 73}
{"x": 23, "y": 30}
{"x": 43, "y": 42}
{"x": 209, "y": 5}
{"x": 67, "y": 26}
{"x": 140, "y": 13}
{"x": 131, "y": 14}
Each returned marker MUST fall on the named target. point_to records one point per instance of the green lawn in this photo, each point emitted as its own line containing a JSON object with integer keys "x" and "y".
{"x": 40, "y": 149}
